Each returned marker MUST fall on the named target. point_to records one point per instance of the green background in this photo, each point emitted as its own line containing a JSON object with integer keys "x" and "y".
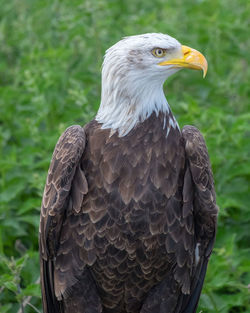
{"x": 50, "y": 61}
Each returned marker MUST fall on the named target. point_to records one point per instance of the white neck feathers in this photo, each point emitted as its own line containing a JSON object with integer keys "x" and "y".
{"x": 122, "y": 112}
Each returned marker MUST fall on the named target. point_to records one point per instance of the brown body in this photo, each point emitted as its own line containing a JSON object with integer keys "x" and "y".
{"x": 122, "y": 217}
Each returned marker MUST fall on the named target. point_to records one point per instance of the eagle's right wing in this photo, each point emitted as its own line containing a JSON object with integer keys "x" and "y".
{"x": 65, "y": 188}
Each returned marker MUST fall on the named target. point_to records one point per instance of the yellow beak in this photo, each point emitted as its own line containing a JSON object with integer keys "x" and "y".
{"x": 191, "y": 59}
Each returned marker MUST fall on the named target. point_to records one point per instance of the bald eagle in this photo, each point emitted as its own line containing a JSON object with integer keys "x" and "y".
{"x": 128, "y": 215}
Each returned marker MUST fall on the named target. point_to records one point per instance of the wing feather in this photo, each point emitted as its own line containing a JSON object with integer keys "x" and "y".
{"x": 65, "y": 178}
{"x": 199, "y": 197}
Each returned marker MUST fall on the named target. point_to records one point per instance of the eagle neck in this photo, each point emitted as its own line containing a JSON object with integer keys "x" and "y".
{"x": 124, "y": 109}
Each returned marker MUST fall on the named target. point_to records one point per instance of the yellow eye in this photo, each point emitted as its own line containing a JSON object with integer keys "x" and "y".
{"x": 159, "y": 53}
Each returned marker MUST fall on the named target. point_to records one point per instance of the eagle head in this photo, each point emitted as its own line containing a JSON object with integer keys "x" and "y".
{"x": 133, "y": 73}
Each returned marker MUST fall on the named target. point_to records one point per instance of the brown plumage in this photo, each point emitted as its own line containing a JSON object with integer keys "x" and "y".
{"x": 127, "y": 222}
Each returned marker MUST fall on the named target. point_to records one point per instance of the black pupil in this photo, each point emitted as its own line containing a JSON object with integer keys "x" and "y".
{"x": 159, "y": 51}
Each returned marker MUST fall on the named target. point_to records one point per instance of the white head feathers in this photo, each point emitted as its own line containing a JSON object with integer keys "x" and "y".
{"x": 132, "y": 81}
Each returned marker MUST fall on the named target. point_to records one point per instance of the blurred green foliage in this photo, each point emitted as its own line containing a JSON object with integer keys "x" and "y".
{"x": 50, "y": 59}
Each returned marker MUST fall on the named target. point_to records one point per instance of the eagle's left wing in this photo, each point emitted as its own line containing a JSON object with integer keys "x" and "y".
{"x": 199, "y": 190}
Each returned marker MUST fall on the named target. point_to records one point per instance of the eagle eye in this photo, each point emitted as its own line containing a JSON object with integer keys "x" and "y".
{"x": 159, "y": 52}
